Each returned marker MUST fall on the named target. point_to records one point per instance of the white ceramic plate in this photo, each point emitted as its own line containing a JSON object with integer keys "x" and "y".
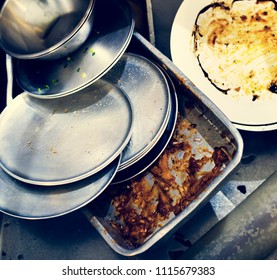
{"x": 260, "y": 115}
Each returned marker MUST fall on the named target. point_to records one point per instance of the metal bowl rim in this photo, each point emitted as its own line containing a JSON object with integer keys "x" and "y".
{"x": 52, "y": 49}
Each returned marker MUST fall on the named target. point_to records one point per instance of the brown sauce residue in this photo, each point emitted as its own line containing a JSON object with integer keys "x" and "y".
{"x": 176, "y": 179}
{"x": 230, "y": 40}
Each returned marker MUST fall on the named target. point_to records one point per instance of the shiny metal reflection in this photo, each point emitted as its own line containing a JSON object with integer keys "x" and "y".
{"x": 59, "y": 141}
{"x": 112, "y": 32}
{"x": 149, "y": 92}
{"x": 49, "y": 29}
{"x": 35, "y": 202}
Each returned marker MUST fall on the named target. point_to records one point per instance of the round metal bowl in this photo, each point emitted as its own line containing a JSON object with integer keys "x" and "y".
{"x": 45, "y": 29}
{"x": 111, "y": 34}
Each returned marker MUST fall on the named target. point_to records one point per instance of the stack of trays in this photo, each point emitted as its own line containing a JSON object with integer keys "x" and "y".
{"x": 97, "y": 117}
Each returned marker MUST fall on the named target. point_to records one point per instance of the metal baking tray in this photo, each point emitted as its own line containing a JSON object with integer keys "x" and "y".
{"x": 214, "y": 129}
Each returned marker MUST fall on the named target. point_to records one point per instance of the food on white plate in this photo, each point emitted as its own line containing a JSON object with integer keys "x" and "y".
{"x": 235, "y": 43}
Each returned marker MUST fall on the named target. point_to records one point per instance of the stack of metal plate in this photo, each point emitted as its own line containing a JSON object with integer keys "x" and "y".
{"x": 154, "y": 114}
{"x": 97, "y": 117}
{"x": 154, "y": 99}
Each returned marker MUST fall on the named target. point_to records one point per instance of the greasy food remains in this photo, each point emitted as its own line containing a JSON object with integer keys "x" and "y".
{"x": 235, "y": 42}
{"x": 175, "y": 180}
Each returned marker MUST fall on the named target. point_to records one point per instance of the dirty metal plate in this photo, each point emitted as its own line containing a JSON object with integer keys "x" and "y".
{"x": 147, "y": 160}
{"x": 59, "y": 141}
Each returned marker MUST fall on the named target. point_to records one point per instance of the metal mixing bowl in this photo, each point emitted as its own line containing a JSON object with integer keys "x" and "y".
{"x": 45, "y": 29}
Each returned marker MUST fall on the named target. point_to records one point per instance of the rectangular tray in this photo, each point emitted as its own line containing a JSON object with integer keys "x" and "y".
{"x": 211, "y": 124}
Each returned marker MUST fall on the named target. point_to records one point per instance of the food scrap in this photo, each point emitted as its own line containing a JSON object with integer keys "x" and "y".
{"x": 55, "y": 81}
{"x": 92, "y": 51}
{"x": 235, "y": 44}
{"x": 173, "y": 182}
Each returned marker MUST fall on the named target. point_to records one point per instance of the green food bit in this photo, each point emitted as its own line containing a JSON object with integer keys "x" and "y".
{"x": 54, "y": 82}
{"x": 39, "y": 90}
{"x": 78, "y": 70}
{"x": 92, "y": 51}
{"x": 83, "y": 75}
{"x": 46, "y": 86}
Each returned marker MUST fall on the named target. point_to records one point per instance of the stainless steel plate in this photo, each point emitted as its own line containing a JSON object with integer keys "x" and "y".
{"x": 59, "y": 141}
{"x": 112, "y": 32}
{"x": 148, "y": 90}
{"x": 145, "y": 162}
{"x": 39, "y": 202}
